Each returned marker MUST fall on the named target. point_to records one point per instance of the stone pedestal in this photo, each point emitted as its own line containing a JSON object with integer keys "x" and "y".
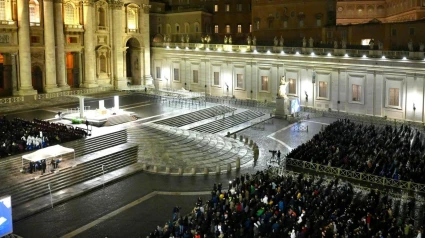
{"x": 282, "y": 105}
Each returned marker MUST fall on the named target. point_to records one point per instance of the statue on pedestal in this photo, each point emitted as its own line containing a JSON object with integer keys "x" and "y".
{"x": 254, "y": 41}
{"x": 208, "y": 38}
{"x": 380, "y": 45}
{"x": 281, "y": 41}
{"x": 187, "y": 38}
{"x": 225, "y": 39}
{"x": 421, "y": 47}
{"x": 248, "y": 40}
{"x": 182, "y": 39}
{"x": 202, "y": 39}
{"x": 410, "y": 45}
{"x": 230, "y": 39}
{"x": 165, "y": 38}
{"x": 282, "y": 88}
{"x": 371, "y": 44}
{"x": 275, "y": 41}
{"x": 304, "y": 42}
{"x": 310, "y": 42}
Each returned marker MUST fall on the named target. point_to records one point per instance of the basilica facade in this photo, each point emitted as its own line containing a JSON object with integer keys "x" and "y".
{"x": 53, "y": 45}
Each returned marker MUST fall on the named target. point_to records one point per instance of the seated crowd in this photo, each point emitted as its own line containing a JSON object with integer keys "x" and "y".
{"x": 20, "y": 135}
{"x": 387, "y": 151}
{"x": 264, "y": 206}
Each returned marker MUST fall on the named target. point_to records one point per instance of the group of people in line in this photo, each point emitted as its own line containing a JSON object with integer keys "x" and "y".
{"x": 388, "y": 151}
{"x": 266, "y": 205}
{"x": 18, "y": 135}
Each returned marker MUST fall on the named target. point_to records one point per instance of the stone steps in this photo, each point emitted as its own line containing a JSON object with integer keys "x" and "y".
{"x": 112, "y": 159}
{"x": 228, "y": 122}
{"x": 192, "y": 117}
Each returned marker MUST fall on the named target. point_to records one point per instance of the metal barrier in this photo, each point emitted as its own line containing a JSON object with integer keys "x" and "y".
{"x": 364, "y": 177}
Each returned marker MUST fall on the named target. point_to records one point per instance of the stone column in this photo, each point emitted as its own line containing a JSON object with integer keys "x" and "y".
{"x": 49, "y": 47}
{"x": 25, "y": 83}
{"x": 144, "y": 25}
{"x": 80, "y": 68}
{"x": 118, "y": 60}
{"x": 61, "y": 78}
{"x": 89, "y": 50}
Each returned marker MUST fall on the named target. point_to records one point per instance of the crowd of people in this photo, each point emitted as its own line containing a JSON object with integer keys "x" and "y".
{"x": 392, "y": 152}
{"x": 292, "y": 206}
{"x": 18, "y": 136}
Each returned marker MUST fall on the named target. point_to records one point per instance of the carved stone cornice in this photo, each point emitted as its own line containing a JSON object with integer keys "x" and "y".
{"x": 88, "y": 2}
{"x": 116, "y": 4}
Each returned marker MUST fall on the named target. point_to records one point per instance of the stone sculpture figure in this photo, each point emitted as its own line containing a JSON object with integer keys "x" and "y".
{"x": 254, "y": 41}
{"x": 371, "y": 44}
{"x": 208, "y": 38}
{"x": 182, "y": 39}
{"x": 336, "y": 44}
{"x": 282, "y": 87}
{"x": 225, "y": 39}
{"x": 165, "y": 38}
{"x": 421, "y": 46}
{"x": 281, "y": 41}
{"x": 230, "y": 39}
{"x": 304, "y": 42}
{"x": 343, "y": 44}
{"x": 311, "y": 42}
{"x": 187, "y": 38}
{"x": 380, "y": 45}
{"x": 248, "y": 40}
{"x": 410, "y": 45}
{"x": 202, "y": 39}
{"x": 275, "y": 41}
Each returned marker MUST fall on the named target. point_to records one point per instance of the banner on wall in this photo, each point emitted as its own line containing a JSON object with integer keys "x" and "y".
{"x": 6, "y": 222}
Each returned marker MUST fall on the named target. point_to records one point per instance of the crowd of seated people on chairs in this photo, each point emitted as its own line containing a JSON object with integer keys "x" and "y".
{"x": 294, "y": 206}
{"x": 18, "y": 135}
{"x": 392, "y": 152}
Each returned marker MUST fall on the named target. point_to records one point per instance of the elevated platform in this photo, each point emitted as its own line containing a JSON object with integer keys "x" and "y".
{"x": 103, "y": 117}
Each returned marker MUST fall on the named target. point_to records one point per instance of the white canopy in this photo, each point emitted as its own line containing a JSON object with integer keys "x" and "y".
{"x": 46, "y": 153}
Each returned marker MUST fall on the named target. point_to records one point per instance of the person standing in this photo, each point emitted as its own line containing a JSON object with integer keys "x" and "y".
{"x": 43, "y": 166}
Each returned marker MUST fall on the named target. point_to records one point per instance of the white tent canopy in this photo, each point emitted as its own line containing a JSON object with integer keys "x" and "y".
{"x": 46, "y": 153}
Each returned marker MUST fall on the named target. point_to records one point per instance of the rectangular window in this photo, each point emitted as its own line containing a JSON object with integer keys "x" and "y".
{"x": 292, "y": 89}
{"x": 394, "y": 97}
{"x": 215, "y": 28}
{"x": 177, "y": 29}
{"x": 356, "y": 93}
{"x": 228, "y": 29}
{"x": 411, "y": 31}
{"x": 227, "y": 7}
{"x": 323, "y": 89}
{"x": 318, "y": 22}
{"x": 239, "y": 28}
{"x": 239, "y": 7}
{"x": 158, "y": 72}
{"x": 159, "y": 30}
{"x": 176, "y": 75}
{"x": 216, "y": 78}
{"x": 301, "y": 23}
{"x": 195, "y": 76}
{"x": 239, "y": 80}
{"x": 394, "y": 32}
{"x": 264, "y": 83}
{"x": 2, "y": 10}
{"x": 215, "y": 8}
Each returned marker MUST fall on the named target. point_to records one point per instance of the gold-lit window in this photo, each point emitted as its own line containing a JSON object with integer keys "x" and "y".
{"x": 216, "y": 78}
{"x": 394, "y": 97}
{"x": 356, "y": 93}
{"x": 292, "y": 88}
{"x": 264, "y": 83}
{"x": 323, "y": 89}
{"x": 239, "y": 80}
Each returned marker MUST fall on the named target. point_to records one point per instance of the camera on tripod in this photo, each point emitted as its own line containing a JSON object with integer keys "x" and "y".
{"x": 273, "y": 151}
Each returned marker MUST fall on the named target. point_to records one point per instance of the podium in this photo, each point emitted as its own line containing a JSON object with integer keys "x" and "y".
{"x": 282, "y": 107}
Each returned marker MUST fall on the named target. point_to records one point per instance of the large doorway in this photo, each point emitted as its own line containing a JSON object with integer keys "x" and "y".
{"x": 133, "y": 62}
{"x": 72, "y": 70}
{"x": 37, "y": 78}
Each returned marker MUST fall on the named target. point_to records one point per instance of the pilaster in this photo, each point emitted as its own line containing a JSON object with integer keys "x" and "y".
{"x": 118, "y": 60}
{"x": 144, "y": 25}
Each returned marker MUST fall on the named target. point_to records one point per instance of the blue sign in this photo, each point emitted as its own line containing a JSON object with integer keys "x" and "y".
{"x": 295, "y": 106}
{"x": 6, "y": 222}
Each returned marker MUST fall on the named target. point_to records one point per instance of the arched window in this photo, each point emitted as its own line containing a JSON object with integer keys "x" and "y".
{"x": 69, "y": 14}
{"x": 2, "y": 10}
{"x": 102, "y": 17}
{"x": 102, "y": 64}
{"x": 34, "y": 7}
{"x": 131, "y": 19}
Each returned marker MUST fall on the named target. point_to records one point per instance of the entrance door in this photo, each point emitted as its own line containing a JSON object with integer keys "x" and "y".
{"x": 37, "y": 79}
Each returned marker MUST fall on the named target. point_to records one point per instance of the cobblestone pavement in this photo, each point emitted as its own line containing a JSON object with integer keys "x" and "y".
{"x": 141, "y": 219}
